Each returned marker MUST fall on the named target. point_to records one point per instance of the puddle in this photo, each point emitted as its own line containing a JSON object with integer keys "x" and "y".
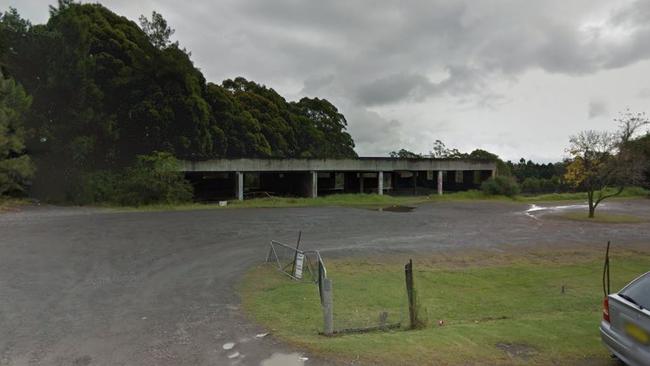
{"x": 518, "y": 350}
{"x": 284, "y": 359}
{"x": 534, "y": 209}
{"x": 396, "y": 209}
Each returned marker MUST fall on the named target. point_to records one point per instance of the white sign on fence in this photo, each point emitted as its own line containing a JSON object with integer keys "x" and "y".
{"x": 300, "y": 258}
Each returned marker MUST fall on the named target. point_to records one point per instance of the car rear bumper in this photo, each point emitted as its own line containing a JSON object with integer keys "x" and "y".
{"x": 622, "y": 347}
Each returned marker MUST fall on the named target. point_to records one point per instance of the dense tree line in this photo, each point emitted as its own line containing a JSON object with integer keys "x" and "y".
{"x": 641, "y": 147}
{"x": 105, "y": 90}
{"x": 538, "y": 177}
{"x": 524, "y": 176}
{"x": 528, "y": 169}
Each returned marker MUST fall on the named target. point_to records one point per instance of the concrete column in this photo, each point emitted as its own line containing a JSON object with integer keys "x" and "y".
{"x": 380, "y": 183}
{"x": 240, "y": 185}
{"x": 494, "y": 173}
{"x": 440, "y": 182}
{"x": 314, "y": 184}
{"x": 361, "y": 182}
{"x": 415, "y": 183}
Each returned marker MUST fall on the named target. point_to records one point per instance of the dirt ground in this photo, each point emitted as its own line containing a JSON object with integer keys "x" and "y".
{"x": 82, "y": 286}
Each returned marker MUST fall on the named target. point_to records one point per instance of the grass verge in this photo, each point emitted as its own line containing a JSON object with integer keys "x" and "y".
{"x": 9, "y": 203}
{"x": 496, "y": 309}
{"x": 601, "y": 217}
{"x": 629, "y": 192}
{"x": 376, "y": 201}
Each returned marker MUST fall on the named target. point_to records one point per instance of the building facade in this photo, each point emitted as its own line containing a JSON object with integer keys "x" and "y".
{"x": 242, "y": 178}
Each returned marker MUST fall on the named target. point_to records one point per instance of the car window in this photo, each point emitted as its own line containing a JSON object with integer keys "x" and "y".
{"x": 639, "y": 290}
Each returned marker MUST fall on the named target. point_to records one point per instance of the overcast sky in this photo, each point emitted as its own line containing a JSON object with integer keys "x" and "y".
{"x": 512, "y": 77}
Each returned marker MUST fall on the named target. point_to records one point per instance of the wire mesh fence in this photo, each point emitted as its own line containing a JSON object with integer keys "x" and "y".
{"x": 355, "y": 305}
{"x": 363, "y": 319}
{"x": 362, "y": 304}
{"x": 295, "y": 263}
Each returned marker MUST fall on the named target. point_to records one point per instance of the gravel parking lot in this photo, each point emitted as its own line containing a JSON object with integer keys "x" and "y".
{"x": 83, "y": 286}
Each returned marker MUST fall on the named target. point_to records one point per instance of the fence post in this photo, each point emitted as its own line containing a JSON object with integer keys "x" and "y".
{"x": 328, "y": 307}
{"x": 295, "y": 254}
{"x": 408, "y": 271}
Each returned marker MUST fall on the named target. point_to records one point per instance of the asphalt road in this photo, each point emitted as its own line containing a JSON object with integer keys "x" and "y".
{"x": 92, "y": 287}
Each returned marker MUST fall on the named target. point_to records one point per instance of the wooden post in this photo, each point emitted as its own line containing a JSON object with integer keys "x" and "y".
{"x": 328, "y": 307}
{"x": 408, "y": 271}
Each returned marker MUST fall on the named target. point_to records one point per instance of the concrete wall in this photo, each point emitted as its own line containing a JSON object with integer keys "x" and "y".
{"x": 332, "y": 165}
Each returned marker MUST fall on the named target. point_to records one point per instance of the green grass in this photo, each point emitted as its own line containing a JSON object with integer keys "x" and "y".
{"x": 8, "y": 203}
{"x": 350, "y": 200}
{"x": 601, "y": 217}
{"x": 629, "y": 192}
{"x": 344, "y": 200}
{"x": 332, "y": 200}
{"x": 484, "y": 300}
{"x": 375, "y": 200}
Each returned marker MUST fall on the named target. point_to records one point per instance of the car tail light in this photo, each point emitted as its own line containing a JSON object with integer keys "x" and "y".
{"x": 606, "y": 309}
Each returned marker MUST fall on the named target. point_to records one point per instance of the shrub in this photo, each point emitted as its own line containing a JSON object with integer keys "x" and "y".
{"x": 543, "y": 185}
{"x": 500, "y": 185}
{"x": 154, "y": 179}
{"x": 532, "y": 185}
{"x": 95, "y": 187}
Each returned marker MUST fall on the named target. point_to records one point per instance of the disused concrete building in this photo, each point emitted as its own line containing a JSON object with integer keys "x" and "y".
{"x": 240, "y": 178}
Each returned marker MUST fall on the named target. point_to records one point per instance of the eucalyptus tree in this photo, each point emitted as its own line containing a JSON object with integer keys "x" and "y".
{"x": 603, "y": 163}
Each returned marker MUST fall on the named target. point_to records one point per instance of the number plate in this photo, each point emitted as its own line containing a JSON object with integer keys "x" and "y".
{"x": 636, "y": 333}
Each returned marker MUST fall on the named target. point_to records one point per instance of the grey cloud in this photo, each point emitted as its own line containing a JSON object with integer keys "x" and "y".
{"x": 636, "y": 13}
{"x": 314, "y": 84}
{"x": 369, "y": 43}
{"x": 644, "y": 93}
{"x": 368, "y": 53}
{"x": 460, "y": 81}
{"x": 597, "y": 108}
{"x": 395, "y": 88}
{"x": 375, "y": 135}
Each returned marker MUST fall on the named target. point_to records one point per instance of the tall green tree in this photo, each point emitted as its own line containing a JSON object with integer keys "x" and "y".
{"x": 157, "y": 30}
{"x": 16, "y": 168}
{"x": 309, "y": 128}
{"x": 330, "y": 138}
{"x": 270, "y": 110}
{"x": 239, "y": 133}
{"x": 404, "y": 154}
{"x": 103, "y": 94}
{"x": 441, "y": 151}
{"x": 106, "y": 90}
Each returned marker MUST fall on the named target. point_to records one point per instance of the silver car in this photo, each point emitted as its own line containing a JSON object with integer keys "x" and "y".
{"x": 625, "y": 327}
